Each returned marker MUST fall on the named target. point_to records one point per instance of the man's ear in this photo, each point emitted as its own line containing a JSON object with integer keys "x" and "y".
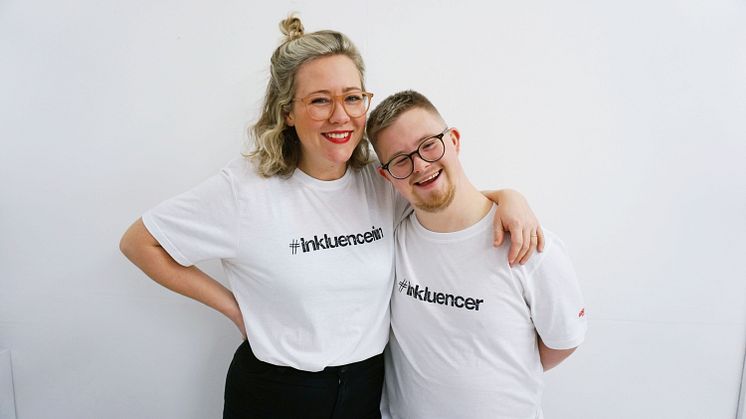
{"x": 383, "y": 173}
{"x": 455, "y": 137}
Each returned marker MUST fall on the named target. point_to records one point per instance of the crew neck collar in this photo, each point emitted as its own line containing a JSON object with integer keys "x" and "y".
{"x": 328, "y": 185}
{"x": 455, "y": 236}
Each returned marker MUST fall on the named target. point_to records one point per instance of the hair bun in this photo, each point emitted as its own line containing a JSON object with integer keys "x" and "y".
{"x": 291, "y": 27}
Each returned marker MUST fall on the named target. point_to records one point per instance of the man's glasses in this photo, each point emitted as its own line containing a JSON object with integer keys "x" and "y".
{"x": 431, "y": 149}
{"x": 320, "y": 106}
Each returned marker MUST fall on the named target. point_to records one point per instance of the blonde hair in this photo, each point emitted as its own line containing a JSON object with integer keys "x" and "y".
{"x": 276, "y": 146}
{"x": 392, "y": 107}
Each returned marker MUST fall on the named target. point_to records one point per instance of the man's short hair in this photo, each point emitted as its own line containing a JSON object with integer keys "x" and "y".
{"x": 389, "y": 110}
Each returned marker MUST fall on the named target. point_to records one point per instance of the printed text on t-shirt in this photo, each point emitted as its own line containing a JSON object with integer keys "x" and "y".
{"x": 330, "y": 242}
{"x": 441, "y": 298}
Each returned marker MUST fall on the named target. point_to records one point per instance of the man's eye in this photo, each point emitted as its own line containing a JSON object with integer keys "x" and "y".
{"x": 427, "y": 145}
{"x": 401, "y": 162}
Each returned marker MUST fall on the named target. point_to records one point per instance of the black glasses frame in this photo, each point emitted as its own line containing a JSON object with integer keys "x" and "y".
{"x": 417, "y": 152}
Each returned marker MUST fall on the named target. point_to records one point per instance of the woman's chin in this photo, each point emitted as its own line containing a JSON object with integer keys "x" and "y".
{"x": 340, "y": 157}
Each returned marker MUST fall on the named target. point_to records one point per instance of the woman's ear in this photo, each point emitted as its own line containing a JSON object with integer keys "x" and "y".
{"x": 289, "y": 119}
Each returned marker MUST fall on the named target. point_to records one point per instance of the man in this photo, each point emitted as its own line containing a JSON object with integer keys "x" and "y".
{"x": 470, "y": 335}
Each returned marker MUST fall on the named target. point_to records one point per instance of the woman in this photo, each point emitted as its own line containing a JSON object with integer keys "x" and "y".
{"x": 304, "y": 230}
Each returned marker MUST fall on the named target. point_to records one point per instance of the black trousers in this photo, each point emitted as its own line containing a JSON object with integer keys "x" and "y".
{"x": 257, "y": 390}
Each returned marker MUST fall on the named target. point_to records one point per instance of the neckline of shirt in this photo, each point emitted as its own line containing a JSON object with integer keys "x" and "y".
{"x": 480, "y": 226}
{"x": 325, "y": 185}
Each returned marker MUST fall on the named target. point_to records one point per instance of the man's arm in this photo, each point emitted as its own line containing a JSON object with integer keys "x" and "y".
{"x": 550, "y": 358}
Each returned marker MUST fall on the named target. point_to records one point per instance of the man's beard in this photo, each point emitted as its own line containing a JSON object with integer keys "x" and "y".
{"x": 438, "y": 201}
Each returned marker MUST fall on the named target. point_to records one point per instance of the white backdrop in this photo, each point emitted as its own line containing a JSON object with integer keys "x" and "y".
{"x": 623, "y": 123}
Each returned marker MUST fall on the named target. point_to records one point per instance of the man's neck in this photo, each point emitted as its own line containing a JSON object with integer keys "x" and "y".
{"x": 467, "y": 208}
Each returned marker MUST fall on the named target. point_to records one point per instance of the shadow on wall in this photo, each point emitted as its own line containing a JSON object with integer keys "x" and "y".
{"x": 7, "y": 398}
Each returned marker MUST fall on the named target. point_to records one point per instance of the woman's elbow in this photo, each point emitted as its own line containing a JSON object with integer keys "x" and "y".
{"x": 133, "y": 239}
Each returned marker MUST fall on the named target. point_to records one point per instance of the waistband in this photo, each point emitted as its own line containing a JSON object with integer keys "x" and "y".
{"x": 371, "y": 362}
{"x": 356, "y": 365}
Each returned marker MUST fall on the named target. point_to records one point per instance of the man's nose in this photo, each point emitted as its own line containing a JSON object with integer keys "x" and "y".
{"x": 418, "y": 163}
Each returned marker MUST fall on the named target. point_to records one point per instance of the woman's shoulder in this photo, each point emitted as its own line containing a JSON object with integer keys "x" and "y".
{"x": 370, "y": 177}
{"x": 243, "y": 170}
{"x": 369, "y": 172}
{"x": 241, "y": 167}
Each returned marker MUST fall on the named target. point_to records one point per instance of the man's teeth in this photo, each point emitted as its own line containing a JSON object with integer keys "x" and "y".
{"x": 431, "y": 177}
{"x": 337, "y": 135}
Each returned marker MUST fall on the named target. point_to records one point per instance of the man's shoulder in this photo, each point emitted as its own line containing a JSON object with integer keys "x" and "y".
{"x": 554, "y": 254}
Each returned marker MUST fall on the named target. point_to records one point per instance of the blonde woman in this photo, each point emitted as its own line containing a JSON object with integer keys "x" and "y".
{"x": 304, "y": 230}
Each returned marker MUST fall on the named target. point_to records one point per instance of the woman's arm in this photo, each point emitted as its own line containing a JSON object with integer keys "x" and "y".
{"x": 514, "y": 215}
{"x": 142, "y": 249}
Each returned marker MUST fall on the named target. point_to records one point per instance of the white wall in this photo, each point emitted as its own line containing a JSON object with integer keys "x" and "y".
{"x": 623, "y": 123}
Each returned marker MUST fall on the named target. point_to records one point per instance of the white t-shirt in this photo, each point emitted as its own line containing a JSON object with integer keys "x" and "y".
{"x": 310, "y": 262}
{"x": 464, "y": 324}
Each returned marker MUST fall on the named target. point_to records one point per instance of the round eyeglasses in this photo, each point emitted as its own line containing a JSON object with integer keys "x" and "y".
{"x": 320, "y": 106}
{"x": 431, "y": 149}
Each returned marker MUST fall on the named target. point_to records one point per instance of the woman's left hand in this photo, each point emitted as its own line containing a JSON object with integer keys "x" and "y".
{"x": 514, "y": 216}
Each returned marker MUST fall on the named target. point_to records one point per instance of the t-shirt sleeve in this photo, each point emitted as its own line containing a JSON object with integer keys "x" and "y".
{"x": 554, "y": 298}
{"x": 402, "y": 207}
{"x": 199, "y": 224}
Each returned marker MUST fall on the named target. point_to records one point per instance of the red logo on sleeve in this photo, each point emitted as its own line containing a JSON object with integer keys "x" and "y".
{"x": 582, "y": 312}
